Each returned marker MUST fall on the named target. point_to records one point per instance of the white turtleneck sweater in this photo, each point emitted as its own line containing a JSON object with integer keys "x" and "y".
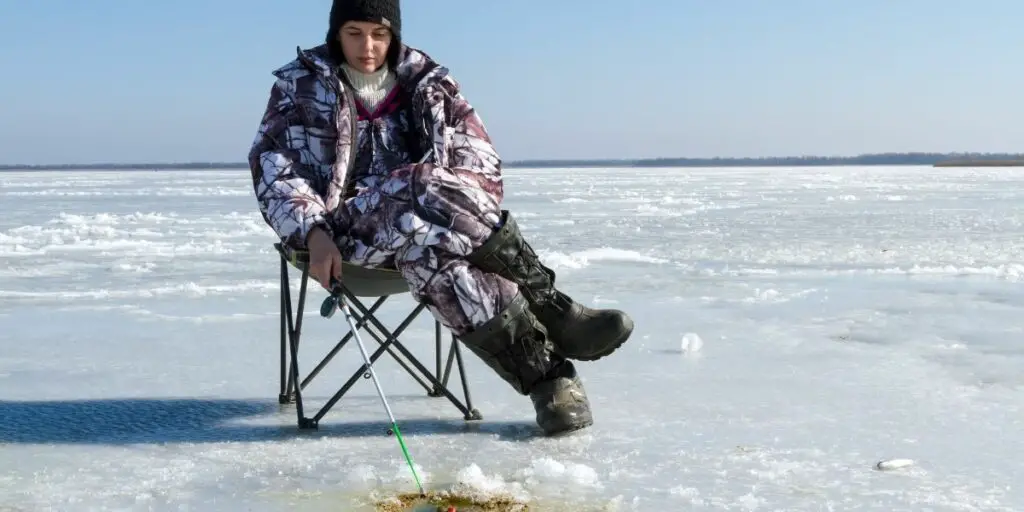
{"x": 371, "y": 88}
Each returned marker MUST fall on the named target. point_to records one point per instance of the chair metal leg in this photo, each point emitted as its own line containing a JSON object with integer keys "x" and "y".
{"x": 436, "y": 392}
{"x": 387, "y": 335}
{"x": 360, "y": 322}
{"x": 392, "y": 339}
{"x": 454, "y": 356}
{"x": 468, "y": 412}
{"x": 283, "y": 396}
{"x": 474, "y": 414}
{"x": 291, "y": 326}
{"x": 294, "y": 324}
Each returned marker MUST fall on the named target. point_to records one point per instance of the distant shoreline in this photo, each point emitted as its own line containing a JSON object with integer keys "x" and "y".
{"x": 892, "y": 159}
{"x": 981, "y": 163}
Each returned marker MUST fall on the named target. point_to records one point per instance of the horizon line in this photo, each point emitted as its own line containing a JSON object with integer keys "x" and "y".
{"x": 922, "y": 157}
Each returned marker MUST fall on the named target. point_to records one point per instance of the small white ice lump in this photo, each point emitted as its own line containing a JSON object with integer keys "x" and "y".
{"x": 891, "y": 464}
{"x": 691, "y": 343}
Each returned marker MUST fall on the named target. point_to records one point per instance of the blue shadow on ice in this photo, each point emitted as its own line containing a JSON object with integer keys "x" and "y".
{"x": 195, "y": 420}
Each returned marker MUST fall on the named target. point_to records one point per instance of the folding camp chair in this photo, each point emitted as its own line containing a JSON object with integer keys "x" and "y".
{"x": 360, "y": 282}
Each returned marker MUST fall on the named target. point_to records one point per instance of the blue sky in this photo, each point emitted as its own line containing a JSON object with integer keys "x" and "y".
{"x": 130, "y": 81}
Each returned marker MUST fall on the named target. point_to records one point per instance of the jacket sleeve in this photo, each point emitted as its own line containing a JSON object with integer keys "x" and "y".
{"x": 469, "y": 144}
{"x": 285, "y": 193}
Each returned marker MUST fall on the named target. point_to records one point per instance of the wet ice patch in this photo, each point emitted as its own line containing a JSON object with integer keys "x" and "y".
{"x": 188, "y": 289}
{"x": 138, "y": 234}
{"x": 471, "y": 481}
{"x": 547, "y": 471}
{"x": 581, "y": 259}
{"x": 363, "y": 476}
{"x": 688, "y": 495}
{"x": 771, "y": 295}
{"x": 953, "y": 356}
{"x": 133, "y": 192}
{"x": 135, "y": 268}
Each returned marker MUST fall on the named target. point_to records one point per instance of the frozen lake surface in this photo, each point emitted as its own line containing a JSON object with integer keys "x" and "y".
{"x": 794, "y": 328}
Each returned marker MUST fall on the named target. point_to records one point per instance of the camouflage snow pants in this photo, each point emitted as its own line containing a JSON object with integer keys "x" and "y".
{"x": 423, "y": 220}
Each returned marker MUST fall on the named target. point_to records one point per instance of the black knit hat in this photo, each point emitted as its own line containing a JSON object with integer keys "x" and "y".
{"x": 385, "y": 12}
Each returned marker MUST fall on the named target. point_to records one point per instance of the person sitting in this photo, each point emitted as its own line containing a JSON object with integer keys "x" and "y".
{"x": 369, "y": 153}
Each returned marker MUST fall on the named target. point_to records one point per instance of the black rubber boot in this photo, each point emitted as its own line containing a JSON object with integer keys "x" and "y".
{"x": 577, "y": 332}
{"x": 561, "y": 402}
{"x": 514, "y": 344}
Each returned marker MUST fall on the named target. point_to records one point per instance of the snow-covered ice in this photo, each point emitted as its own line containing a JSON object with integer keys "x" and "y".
{"x": 844, "y": 316}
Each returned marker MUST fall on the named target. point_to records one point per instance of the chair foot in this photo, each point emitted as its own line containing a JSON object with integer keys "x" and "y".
{"x": 474, "y": 415}
{"x": 308, "y": 424}
{"x": 284, "y": 399}
{"x": 435, "y": 393}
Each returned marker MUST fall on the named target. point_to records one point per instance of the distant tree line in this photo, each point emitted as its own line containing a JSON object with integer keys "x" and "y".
{"x": 934, "y": 159}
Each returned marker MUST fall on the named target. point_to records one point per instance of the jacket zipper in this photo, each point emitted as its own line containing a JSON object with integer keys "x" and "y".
{"x": 353, "y": 133}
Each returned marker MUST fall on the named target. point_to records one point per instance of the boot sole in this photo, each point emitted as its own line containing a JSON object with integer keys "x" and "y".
{"x": 606, "y": 352}
{"x": 569, "y": 431}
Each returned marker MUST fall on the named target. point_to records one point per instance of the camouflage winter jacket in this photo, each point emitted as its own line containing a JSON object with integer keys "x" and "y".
{"x": 301, "y": 160}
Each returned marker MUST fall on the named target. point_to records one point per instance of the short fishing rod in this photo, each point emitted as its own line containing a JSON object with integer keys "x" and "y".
{"x": 336, "y": 301}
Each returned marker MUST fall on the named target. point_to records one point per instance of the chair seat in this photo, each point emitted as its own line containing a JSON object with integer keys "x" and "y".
{"x": 372, "y": 282}
{"x": 361, "y": 281}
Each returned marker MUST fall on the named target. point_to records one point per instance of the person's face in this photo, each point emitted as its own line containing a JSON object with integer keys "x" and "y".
{"x": 365, "y": 44}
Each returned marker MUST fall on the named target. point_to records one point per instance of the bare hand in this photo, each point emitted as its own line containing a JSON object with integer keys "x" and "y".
{"x": 324, "y": 258}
